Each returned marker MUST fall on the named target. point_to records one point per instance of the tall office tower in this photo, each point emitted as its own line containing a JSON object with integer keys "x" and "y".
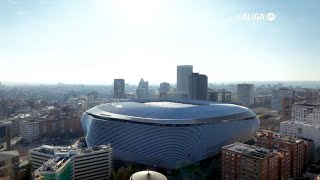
{"x": 118, "y": 88}
{"x": 278, "y": 95}
{"x": 242, "y": 161}
{"x": 183, "y": 73}
{"x": 164, "y": 88}
{"x": 198, "y": 86}
{"x": 143, "y": 90}
{"x": 245, "y": 94}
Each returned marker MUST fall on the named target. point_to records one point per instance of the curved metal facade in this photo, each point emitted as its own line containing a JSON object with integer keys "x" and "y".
{"x": 170, "y": 146}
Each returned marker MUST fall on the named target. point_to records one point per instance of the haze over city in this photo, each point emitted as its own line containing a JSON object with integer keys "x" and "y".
{"x": 159, "y": 89}
{"x": 93, "y": 42}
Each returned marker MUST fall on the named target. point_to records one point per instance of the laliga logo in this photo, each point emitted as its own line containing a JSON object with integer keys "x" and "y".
{"x": 271, "y": 16}
{"x": 256, "y": 17}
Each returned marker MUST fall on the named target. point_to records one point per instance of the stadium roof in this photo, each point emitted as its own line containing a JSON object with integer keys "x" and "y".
{"x": 171, "y": 112}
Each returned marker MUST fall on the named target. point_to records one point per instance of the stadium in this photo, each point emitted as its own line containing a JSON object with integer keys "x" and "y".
{"x": 168, "y": 134}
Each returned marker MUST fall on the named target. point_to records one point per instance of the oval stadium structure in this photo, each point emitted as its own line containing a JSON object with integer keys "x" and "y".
{"x": 167, "y": 134}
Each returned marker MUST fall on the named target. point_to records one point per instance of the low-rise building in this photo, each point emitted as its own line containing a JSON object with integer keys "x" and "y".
{"x": 295, "y": 146}
{"x": 9, "y": 163}
{"x": 303, "y": 130}
{"x": 29, "y": 130}
{"x": 66, "y": 162}
{"x": 59, "y": 168}
{"x": 95, "y": 162}
{"x": 40, "y": 155}
{"x": 242, "y": 161}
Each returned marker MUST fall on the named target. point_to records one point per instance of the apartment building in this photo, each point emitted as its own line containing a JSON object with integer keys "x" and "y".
{"x": 295, "y": 146}
{"x": 242, "y": 161}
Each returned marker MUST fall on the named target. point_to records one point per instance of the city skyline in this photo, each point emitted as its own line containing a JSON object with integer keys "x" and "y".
{"x": 81, "y": 42}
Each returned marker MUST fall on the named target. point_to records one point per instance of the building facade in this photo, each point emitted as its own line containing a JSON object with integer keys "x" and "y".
{"x": 62, "y": 163}
{"x": 39, "y": 156}
{"x": 278, "y": 95}
{"x": 198, "y": 87}
{"x": 303, "y": 130}
{"x": 262, "y": 101}
{"x": 61, "y": 122}
{"x": 245, "y": 94}
{"x": 94, "y": 163}
{"x": 59, "y": 168}
{"x": 305, "y": 123}
{"x": 143, "y": 90}
{"x": 168, "y": 134}
{"x": 220, "y": 96}
{"x": 119, "y": 88}
{"x": 29, "y": 130}
{"x": 183, "y": 73}
{"x": 306, "y": 112}
{"x": 286, "y": 109}
{"x": 242, "y": 161}
{"x": 164, "y": 88}
{"x": 295, "y": 146}
{"x": 9, "y": 163}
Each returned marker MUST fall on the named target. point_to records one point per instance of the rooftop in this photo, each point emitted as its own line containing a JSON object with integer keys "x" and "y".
{"x": 94, "y": 149}
{"x": 277, "y": 137}
{"x": 306, "y": 124}
{"x": 4, "y": 155}
{"x": 253, "y": 151}
{"x": 168, "y": 104}
{"x": 54, "y": 164}
{"x": 171, "y": 111}
{"x": 59, "y": 161}
{"x": 54, "y": 150}
{"x": 68, "y": 151}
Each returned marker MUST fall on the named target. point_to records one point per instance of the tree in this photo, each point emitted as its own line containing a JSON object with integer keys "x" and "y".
{"x": 112, "y": 175}
{"x": 28, "y": 171}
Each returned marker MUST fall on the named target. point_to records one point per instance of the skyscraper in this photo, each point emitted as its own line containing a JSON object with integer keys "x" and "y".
{"x": 118, "y": 88}
{"x": 198, "y": 86}
{"x": 245, "y": 94}
{"x": 183, "y": 73}
{"x": 164, "y": 88}
{"x": 143, "y": 89}
{"x": 278, "y": 95}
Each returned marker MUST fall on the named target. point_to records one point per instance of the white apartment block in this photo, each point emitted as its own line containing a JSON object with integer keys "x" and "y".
{"x": 305, "y": 123}
{"x": 309, "y": 113}
{"x": 42, "y": 154}
{"x": 93, "y": 163}
{"x": 29, "y": 130}
{"x": 303, "y": 130}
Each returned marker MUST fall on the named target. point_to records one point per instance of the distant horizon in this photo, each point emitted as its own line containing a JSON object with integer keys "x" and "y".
{"x": 6, "y": 83}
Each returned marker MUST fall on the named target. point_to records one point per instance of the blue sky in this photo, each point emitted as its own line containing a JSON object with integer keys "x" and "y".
{"x": 93, "y": 42}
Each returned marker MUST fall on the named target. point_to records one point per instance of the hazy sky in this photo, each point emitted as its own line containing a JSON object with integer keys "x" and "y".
{"x": 91, "y": 41}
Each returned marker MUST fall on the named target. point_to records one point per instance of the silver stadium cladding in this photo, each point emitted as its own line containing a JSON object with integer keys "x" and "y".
{"x": 168, "y": 134}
